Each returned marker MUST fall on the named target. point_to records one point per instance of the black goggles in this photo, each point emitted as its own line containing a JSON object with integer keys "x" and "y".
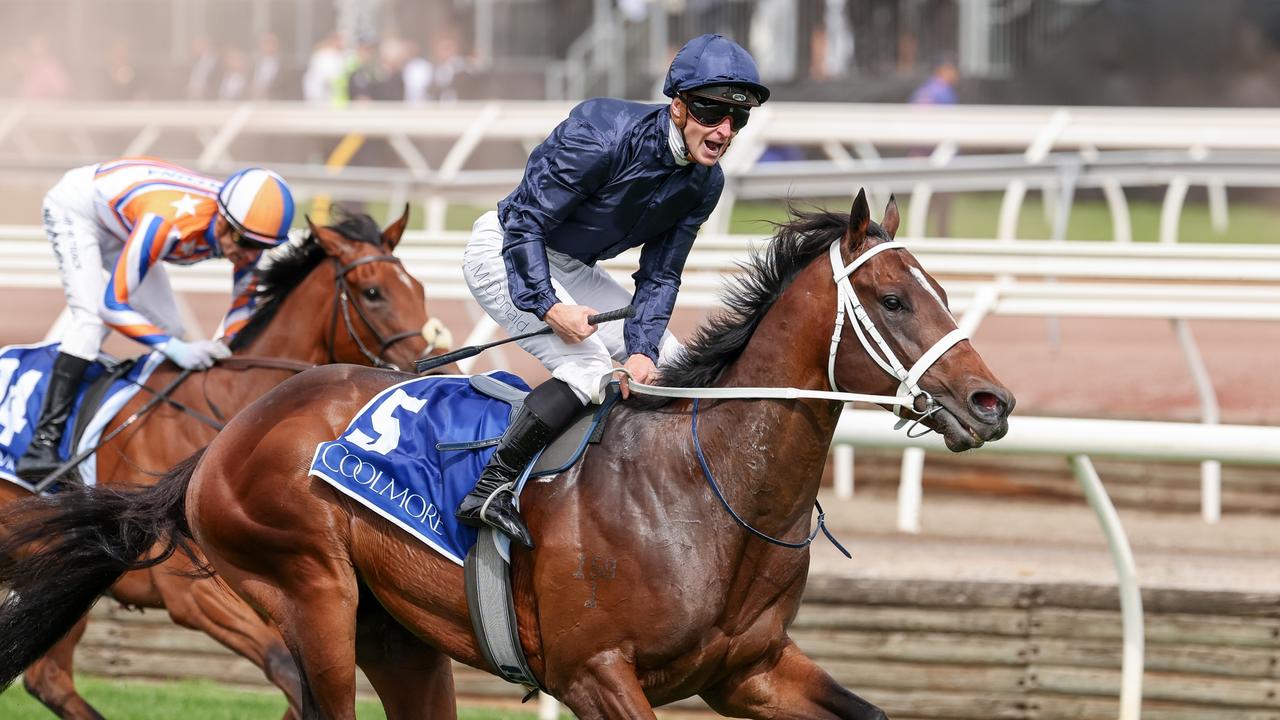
{"x": 711, "y": 112}
{"x": 240, "y": 238}
{"x": 249, "y": 243}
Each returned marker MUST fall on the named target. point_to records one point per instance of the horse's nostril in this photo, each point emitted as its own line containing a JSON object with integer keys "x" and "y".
{"x": 987, "y": 402}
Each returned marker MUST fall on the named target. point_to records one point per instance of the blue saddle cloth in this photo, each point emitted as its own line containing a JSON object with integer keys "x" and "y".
{"x": 24, "y": 380}
{"x": 391, "y": 459}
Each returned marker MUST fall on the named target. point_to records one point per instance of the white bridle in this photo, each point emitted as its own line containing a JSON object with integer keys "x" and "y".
{"x": 847, "y": 306}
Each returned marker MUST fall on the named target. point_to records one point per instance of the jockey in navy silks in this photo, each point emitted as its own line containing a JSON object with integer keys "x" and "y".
{"x": 613, "y": 176}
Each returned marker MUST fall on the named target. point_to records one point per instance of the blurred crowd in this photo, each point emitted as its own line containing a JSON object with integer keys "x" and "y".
{"x": 418, "y": 52}
{"x": 337, "y": 72}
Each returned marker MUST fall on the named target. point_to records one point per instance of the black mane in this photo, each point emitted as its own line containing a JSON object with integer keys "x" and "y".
{"x": 765, "y": 275}
{"x": 292, "y": 265}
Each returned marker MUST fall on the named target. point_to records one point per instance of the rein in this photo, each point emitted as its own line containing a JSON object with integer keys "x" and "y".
{"x": 848, "y": 306}
{"x": 241, "y": 363}
{"x": 245, "y": 362}
{"x": 79, "y": 457}
{"x": 715, "y": 488}
{"x": 234, "y": 363}
{"x": 345, "y": 303}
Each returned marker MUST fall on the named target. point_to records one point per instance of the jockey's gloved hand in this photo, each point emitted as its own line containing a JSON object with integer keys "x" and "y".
{"x": 195, "y": 355}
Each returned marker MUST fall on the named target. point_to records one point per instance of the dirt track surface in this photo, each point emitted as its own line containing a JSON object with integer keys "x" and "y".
{"x": 1011, "y": 540}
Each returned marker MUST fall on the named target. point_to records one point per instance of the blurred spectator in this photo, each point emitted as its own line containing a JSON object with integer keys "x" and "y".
{"x": 266, "y": 68}
{"x": 204, "y": 64}
{"x": 447, "y": 66}
{"x": 43, "y": 76}
{"x": 122, "y": 76}
{"x": 773, "y": 39}
{"x": 235, "y": 75}
{"x": 831, "y": 43}
{"x": 634, "y": 10}
{"x": 362, "y": 71}
{"x": 389, "y": 82}
{"x": 940, "y": 88}
{"x": 416, "y": 74}
{"x": 325, "y": 79}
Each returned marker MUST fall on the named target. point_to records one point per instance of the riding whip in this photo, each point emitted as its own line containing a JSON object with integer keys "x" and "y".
{"x": 429, "y": 363}
{"x": 80, "y": 457}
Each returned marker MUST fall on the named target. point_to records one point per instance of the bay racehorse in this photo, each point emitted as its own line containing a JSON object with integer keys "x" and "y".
{"x": 642, "y": 589}
{"x": 339, "y": 296}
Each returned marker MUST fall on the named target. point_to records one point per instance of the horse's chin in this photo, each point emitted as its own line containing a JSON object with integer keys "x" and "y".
{"x": 966, "y": 434}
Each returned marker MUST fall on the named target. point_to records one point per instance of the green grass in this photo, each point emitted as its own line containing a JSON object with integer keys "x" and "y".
{"x": 974, "y": 215}
{"x": 191, "y": 700}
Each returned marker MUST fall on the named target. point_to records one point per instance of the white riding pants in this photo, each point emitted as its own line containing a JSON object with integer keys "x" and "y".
{"x": 84, "y": 248}
{"x": 585, "y": 366}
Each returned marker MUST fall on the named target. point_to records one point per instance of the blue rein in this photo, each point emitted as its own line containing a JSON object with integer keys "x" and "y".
{"x": 715, "y": 488}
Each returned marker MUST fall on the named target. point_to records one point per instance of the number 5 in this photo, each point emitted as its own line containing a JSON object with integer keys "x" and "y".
{"x": 385, "y": 423}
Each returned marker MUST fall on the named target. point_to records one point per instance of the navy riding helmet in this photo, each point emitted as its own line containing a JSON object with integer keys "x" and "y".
{"x": 717, "y": 67}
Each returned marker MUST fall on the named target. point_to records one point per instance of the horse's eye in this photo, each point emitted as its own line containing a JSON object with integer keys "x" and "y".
{"x": 372, "y": 293}
{"x": 891, "y": 303}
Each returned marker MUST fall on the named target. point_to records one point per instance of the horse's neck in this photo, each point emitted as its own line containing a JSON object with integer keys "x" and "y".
{"x": 779, "y": 447}
{"x": 300, "y": 329}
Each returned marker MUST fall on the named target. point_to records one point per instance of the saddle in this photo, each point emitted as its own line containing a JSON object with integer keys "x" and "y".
{"x": 487, "y": 567}
{"x": 92, "y": 397}
{"x": 568, "y": 447}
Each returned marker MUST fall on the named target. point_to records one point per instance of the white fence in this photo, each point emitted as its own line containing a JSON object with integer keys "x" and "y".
{"x": 1058, "y": 150}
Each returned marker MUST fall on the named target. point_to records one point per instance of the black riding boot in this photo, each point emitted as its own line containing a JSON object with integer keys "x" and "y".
{"x": 41, "y": 457}
{"x": 547, "y": 411}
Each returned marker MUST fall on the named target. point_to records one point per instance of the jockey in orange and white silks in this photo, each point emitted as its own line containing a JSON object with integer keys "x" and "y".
{"x": 112, "y": 226}
{"x": 614, "y": 176}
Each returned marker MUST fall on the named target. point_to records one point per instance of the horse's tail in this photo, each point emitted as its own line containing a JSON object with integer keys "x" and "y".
{"x": 59, "y": 553}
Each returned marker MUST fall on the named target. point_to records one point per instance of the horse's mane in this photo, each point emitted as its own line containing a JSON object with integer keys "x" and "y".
{"x": 747, "y": 297}
{"x": 291, "y": 265}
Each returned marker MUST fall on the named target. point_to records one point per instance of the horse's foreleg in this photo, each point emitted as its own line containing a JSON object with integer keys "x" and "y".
{"x": 207, "y": 605}
{"x": 50, "y": 679}
{"x": 606, "y": 688}
{"x": 413, "y": 679}
{"x": 791, "y": 687}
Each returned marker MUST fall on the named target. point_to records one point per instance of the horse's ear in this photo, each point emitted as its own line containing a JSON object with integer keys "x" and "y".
{"x": 333, "y": 243}
{"x": 391, "y": 236}
{"x": 891, "y": 218}
{"x": 859, "y": 219}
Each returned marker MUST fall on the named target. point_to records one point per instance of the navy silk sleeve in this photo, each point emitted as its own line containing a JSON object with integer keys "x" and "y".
{"x": 658, "y": 279}
{"x": 570, "y": 166}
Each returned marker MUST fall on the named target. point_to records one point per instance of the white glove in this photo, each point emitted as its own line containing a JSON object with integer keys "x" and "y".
{"x": 196, "y": 355}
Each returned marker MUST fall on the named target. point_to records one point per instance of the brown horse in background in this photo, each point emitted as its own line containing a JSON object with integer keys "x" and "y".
{"x": 339, "y": 296}
{"x": 642, "y": 589}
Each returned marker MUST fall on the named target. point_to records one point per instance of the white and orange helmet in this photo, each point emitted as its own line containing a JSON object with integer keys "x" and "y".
{"x": 257, "y": 203}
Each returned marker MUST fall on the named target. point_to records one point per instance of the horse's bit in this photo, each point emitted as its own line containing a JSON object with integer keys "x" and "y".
{"x": 346, "y": 303}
